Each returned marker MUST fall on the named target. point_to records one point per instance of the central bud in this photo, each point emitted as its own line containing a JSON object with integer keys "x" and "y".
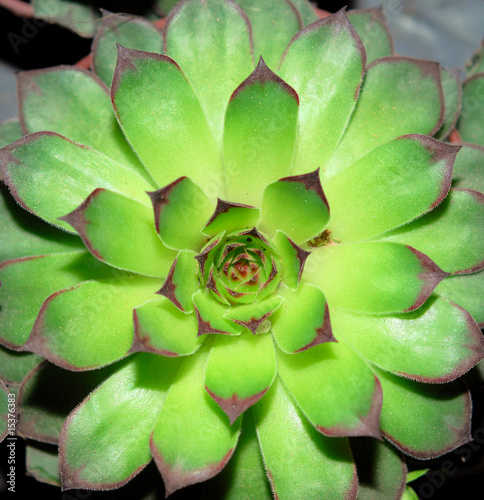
{"x": 240, "y": 267}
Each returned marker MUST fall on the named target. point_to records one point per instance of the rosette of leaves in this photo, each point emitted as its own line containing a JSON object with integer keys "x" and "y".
{"x": 254, "y": 221}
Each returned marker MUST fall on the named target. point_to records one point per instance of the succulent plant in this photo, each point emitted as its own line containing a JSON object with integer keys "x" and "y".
{"x": 250, "y": 251}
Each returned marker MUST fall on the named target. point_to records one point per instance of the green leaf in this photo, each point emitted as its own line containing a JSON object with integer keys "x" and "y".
{"x": 181, "y": 211}
{"x": 75, "y": 104}
{"x": 437, "y": 343}
{"x": 47, "y": 396}
{"x": 120, "y": 231}
{"x": 50, "y": 175}
{"x": 286, "y": 438}
{"x": 381, "y": 470}
{"x": 183, "y": 454}
{"x": 10, "y": 131}
{"x": 231, "y": 217}
{"x": 379, "y": 192}
{"x": 375, "y": 277}
{"x": 451, "y": 235}
{"x": 162, "y": 118}
{"x": 335, "y": 389}
{"x": 105, "y": 440}
{"x": 302, "y": 321}
{"x": 240, "y": 371}
{"x": 255, "y": 316}
{"x": 409, "y": 494}
{"x": 469, "y": 168}
{"x": 413, "y": 475}
{"x": 163, "y": 329}
{"x": 324, "y": 63}
{"x": 182, "y": 281}
{"x": 71, "y": 330}
{"x": 292, "y": 259}
{"x": 264, "y": 16}
{"x": 215, "y": 64}
{"x": 131, "y": 31}
{"x": 27, "y": 282}
{"x": 210, "y": 315}
{"x": 42, "y": 463}
{"x": 306, "y": 11}
{"x": 372, "y": 28}
{"x": 24, "y": 235}
{"x": 467, "y": 291}
{"x": 244, "y": 476}
{"x": 452, "y": 87}
{"x": 259, "y": 134}
{"x": 76, "y": 16}
{"x": 287, "y": 202}
{"x": 424, "y": 420}
{"x": 399, "y": 96}
{"x": 470, "y": 125}
{"x": 15, "y": 366}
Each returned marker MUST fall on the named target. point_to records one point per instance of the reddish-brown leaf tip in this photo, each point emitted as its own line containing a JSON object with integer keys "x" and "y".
{"x": 168, "y": 289}
{"x": 431, "y": 275}
{"x": 234, "y": 406}
{"x": 78, "y": 221}
{"x": 160, "y": 199}
{"x": 125, "y": 62}
{"x": 205, "y": 327}
{"x": 301, "y": 256}
{"x": 223, "y": 207}
{"x": 254, "y": 323}
{"x": 323, "y": 334}
{"x": 339, "y": 21}
{"x": 175, "y": 476}
{"x": 263, "y": 75}
{"x": 311, "y": 182}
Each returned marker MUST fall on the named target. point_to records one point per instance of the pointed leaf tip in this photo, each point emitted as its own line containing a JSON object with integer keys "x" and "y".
{"x": 287, "y": 202}
{"x": 160, "y": 198}
{"x": 431, "y": 275}
{"x": 168, "y": 289}
{"x": 79, "y": 222}
{"x": 176, "y": 478}
{"x": 441, "y": 152}
{"x": 311, "y": 182}
{"x": 230, "y": 217}
{"x": 323, "y": 334}
{"x": 234, "y": 406}
{"x": 125, "y": 62}
{"x": 263, "y": 74}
